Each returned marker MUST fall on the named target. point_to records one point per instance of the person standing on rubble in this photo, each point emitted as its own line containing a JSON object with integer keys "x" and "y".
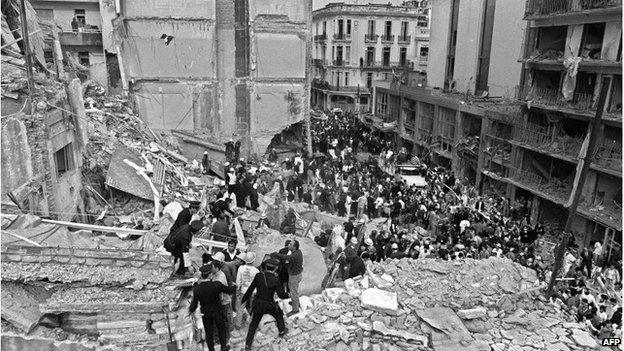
{"x": 185, "y": 216}
{"x": 266, "y": 284}
{"x": 294, "y": 265}
{"x": 206, "y": 293}
{"x": 206, "y": 162}
{"x": 179, "y": 242}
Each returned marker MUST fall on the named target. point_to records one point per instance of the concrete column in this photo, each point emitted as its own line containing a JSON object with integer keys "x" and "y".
{"x": 455, "y": 164}
{"x": 486, "y": 124}
{"x": 74, "y": 96}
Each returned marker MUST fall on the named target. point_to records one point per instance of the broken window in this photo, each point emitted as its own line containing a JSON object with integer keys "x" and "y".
{"x": 591, "y": 46}
{"x": 545, "y": 87}
{"x": 584, "y": 91}
{"x": 551, "y": 42}
{"x": 446, "y": 128}
{"x": 382, "y": 104}
{"x": 83, "y": 58}
{"x": 386, "y": 56}
{"x": 80, "y": 17}
{"x": 64, "y": 159}
{"x": 425, "y": 126}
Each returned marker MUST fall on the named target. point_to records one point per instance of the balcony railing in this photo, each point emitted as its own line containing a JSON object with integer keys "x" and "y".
{"x": 340, "y": 63}
{"x": 422, "y": 32}
{"x": 557, "y": 189}
{"x": 319, "y": 62}
{"x": 387, "y": 38}
{"x": 404, "y": 39}
{"x": 423, "y": 60}
{"x": 342, "y": 36}
{"x": 82, "y": 38}
{"x": 371, "y": 38}
{"x": 385, "y": 64}
{"x": 609, "y": 155}
{"x": 552, "y": 97}
{"x": 320, "y": 37}
{"x": 550, "y": 7}
{"x": 540, "y": 138}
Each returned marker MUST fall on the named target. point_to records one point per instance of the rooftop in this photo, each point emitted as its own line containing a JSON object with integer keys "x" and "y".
{"x": 385, "y": 10}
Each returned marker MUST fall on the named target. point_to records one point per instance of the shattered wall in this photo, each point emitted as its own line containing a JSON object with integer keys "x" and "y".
{"x": 16, "y": 155}
{"x": 222, "y": 59}
{"x": 469, "y": 28}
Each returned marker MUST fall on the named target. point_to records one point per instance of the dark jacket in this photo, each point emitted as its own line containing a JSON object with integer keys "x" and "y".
{"x": 207, "y": 293}
{"x": 181, "y": 239}
{"x": 295, "y": 261}
{"x": 184, "y": 217}
{"x": 356, "y": 267}
{"x": 266, "y": 285}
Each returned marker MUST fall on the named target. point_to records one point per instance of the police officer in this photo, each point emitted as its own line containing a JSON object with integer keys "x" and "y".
{"x": 266, "y": 285}
{"x": 207, "y": 293}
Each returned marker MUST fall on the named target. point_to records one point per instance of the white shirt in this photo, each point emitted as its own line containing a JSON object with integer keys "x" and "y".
{"x": 463, "y": 225}
{"x": 173, "y": 209}
{"x": 245, "y": 276}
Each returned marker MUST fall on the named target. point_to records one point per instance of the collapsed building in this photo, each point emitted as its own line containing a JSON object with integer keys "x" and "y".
{"x": 219, "y": 69}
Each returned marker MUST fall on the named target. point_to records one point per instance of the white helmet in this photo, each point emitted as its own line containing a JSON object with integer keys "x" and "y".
{"x": 219, "y": 256}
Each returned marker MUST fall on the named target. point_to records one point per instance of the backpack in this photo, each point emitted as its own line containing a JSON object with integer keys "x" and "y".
{"x": 168, "y": 243}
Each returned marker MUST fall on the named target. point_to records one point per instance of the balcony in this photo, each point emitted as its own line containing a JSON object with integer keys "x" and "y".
{"x": 538, "y": 8}
{"x": 552, "y": 98}
{"x": 320, "y": 37}
{"x": 342, "y": 37}
{"x": 371, "y": 38}
{"x": 385, "y": 64}
{"x": 404, "y": 39}
{"x": 608, "y": 156}
{"x": 543, "y": 140}
{"x": 387, "y": 38}
{"x": 555, "y": 190}
{"x": 319, "y": 62}
{"x": 85, "y": 38}
{"x": 422, "y": 32}
{"x": 423, "y": 60}
{"x": 340, "y": 63}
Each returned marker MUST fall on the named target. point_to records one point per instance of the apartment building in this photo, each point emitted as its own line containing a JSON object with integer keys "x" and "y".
{"x": 355, "y": 45}
{"x": 80, "y": 25}
{"x": 518, "y": 128}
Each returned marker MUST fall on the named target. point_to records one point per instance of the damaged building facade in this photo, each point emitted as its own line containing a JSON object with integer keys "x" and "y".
{"x": 355, "y": 45}
{"x": 217, "y": 69}
{"x": 83, "y": 29}
{"x": 517, "y": 127}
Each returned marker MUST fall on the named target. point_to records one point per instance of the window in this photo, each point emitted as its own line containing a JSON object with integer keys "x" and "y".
{"x": 337, "y": 79}
{"x": 347, "y": 54}
{"x": 370, "y": 56}
{"x": 404, "y": 29}
{"x": 339, "y": 55}
{"x": 346, "y": 78}
{"x": 403, "y": 57}
{"x": 424, "y": 52}
{"x": 369, "y": 80}
{"x": 388, "y": 28}
{"x": 317, "y": 28}
{"x": 386, "y": 56}
{"x": 348, "y": 27}
{"x": 422, "y": 22}
{"x": 83, "y": 58}
{"x": 324, "y": 27}
{"x": 80, "y": 17}
{"x": 371, "y": 27}
{"x": 340, "y": 29}
{"x": 382, "y": 104}
{"x": 64, "y": 159}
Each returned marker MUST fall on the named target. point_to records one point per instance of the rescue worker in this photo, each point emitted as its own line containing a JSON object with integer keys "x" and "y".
{"x": 179, "y": 242}
{"x": 206, "y": 292}
{"x": 266, "y": 284}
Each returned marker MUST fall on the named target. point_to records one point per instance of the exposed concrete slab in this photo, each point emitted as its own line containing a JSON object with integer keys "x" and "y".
{"x": 20, "y": 306}
{"x": 280, "y": 56}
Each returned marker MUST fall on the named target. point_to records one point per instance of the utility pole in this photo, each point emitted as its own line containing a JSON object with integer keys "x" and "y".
{"x": 27, "y": 54}
{"x": 580, "y": 181}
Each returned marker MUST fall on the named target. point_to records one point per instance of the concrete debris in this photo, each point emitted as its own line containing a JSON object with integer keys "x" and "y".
{"x": 472, "y": 313}
{"x": 381, "y": 328}
{"x": 380, "y": 300}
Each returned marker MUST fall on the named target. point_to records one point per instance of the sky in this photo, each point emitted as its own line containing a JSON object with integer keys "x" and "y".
{"x": 317, "y": 4}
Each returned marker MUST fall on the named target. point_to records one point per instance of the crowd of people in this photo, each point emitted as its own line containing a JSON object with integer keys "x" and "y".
{"x": 348, "y": 175}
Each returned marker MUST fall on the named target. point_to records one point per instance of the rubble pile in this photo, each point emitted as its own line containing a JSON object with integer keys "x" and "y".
{"x": 429, "y": 304}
